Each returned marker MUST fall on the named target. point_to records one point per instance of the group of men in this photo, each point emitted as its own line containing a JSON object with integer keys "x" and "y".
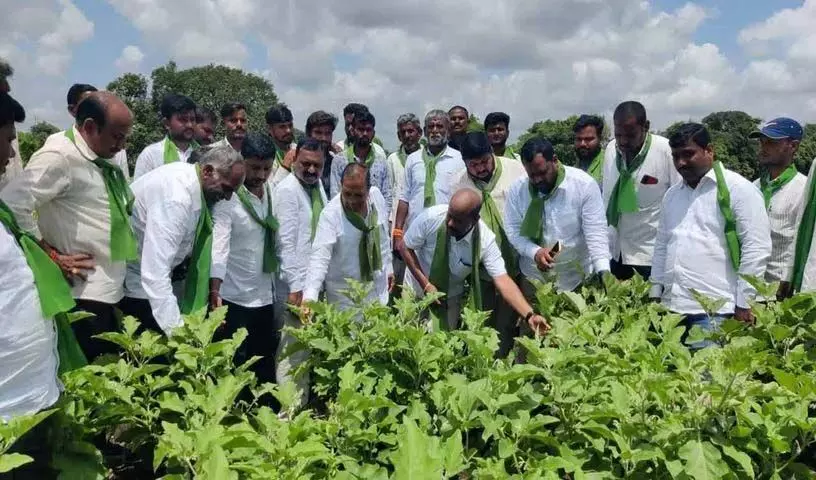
{"x": 264, "y": 225}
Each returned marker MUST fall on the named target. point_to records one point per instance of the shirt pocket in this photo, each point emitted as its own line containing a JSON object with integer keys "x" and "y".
{"x": 650, "y": 194}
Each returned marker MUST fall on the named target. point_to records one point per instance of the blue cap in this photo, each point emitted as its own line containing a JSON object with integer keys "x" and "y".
{"x": 779, "y": 128}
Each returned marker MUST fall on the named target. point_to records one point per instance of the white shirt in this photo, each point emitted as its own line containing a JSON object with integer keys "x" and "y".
{"x": 293, "y": 209}
{"x": 421, "y": 238}
{"x": 28, "y": 341}
{"x": 449, "y": 167}
{"x": 152, "y": 157}
{"x": 279, "y": 172}
{"x": 120, "y": 159}
{"x": 573, "y": 215}
{"x": 512, "y": 170}
{"x": 223, "y": 143}
{"x": 238, "y": 251}
{"x": 396, "y": 178}
{"x": 165, "y": 216}
{"x": 691, "y": 252}
{"x": 341, "y": 144}
{"x": 633, "y": 240}
{"x": 809, "y": 274}
{"x": 68, "y": 192}
{"x": 336, "y": 254}
{"x": 14, "y": 167}
{"x": 784, "y": 212}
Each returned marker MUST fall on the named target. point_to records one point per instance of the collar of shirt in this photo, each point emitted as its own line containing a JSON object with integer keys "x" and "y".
{"x": 710, "y": 176}
{"x": 82, "y": 146}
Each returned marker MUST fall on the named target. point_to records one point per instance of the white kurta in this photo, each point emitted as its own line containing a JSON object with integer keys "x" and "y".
{"x": 633, "y": 240}
{"x": 28, "y": 341}
{"x": 691, "y": 251}
{"x": 152, "y": 157}
{"x": 238, "y": 251}
{"x": 336, "y": 255}
{"x": 785, "y": 210}
{"x": 421, "y": 238}
{"x": 165, "y": 215}
{"x": 396, "y": 178}
{"x": 449, "y": 166}
{"x": 573, "y": 215}
{"x": 68, "y": 193}
{"x": 120, "y": 159}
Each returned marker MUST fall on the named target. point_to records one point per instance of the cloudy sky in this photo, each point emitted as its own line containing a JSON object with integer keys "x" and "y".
{"x": 534, "y": 59}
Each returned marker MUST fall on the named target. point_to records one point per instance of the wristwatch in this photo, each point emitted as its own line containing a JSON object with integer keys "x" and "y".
{"x": 529, "y": 315}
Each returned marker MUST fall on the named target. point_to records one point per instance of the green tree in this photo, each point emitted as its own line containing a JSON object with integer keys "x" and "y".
{"x": 559, "y": 133}
{"x": 34, "y": 139}
{"x": 132, "y": 89}
{"x": 807, "y": 149}
{"x": 475, "y": 124}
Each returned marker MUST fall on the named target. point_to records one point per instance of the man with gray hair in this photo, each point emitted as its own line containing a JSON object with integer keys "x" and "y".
{"x": 171, "y": 219}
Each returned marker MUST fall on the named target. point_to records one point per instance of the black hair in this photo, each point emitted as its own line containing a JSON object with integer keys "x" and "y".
{"x": 352, "y": 168}
{"x": 258, "y": 145}
{"x": 320, "y": 118}
{"x": 93, "y": 108}
{"x": 474, "y": 145}
{"x": 10, "y": 110}
{"x": 365, "y": 117}
{"x": 354, "y": 108}
{"x": 308, "y": 144}
{"x": 76, "y": 91}
{"x": 631, "y": 109}
{"x": 459, "y": 107}
{"x": 278, "y": 113}
{"x": 203, "y": 114}
{"x": 174, "y": 104}
{"x": 681, "y": 135}
{"x": 495, "y": 118}
{"x": 534, "y": 146}
{"x": 589, "y": 121}
{"x": 230, "y": 108}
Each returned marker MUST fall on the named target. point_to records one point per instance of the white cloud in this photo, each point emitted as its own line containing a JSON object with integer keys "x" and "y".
{"x": 130, "y": 59}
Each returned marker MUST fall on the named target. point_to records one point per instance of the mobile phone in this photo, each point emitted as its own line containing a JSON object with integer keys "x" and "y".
{"x": 555, "y": 249}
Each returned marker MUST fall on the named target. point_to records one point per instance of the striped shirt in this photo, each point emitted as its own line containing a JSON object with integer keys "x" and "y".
{"x": 783, "y": 214}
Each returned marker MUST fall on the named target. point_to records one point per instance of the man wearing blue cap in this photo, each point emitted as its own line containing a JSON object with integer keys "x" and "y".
{"x": 782, "y": 187}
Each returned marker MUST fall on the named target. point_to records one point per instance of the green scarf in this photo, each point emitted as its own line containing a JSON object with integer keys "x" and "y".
{"x": 171, "y": 151}
{"x": 804, "y": 236}
{"x": 770, "y": 187}
{"x": 352, "y": 158}
{"x": 279, "y": 156}
{"x": 317, "y": 206}
{"x": 440, "y": 273}
{"x": 430, "y": 176}
{"x": 624, "y": 197}
{"x": 196, "y": 285}
{"x": 369, "y": 251}
{"x": 510, "y": 153}
{"x": 402, "y": 155}
{"x": 493, "y": 218}
{"x": 120, "y": 204}
{"x": 55, "y": 294}
{"x": 269, "y": 224}
{"x": 724, "y": 200}
{"x": 595, "y": 168}
{"x": 532, "y": 226}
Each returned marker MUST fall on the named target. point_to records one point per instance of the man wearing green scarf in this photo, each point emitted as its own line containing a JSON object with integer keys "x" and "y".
{"x": 713, "y": 231}
{"x": 783, "y": 189}
{"x": 171, "y": 219}
{"x": 297, "y": 203}
{"x": 281, "y": 129}
{"x": 588, "y": 131}
{"x": 245, "y": 259}
{"x": 491, "y": 177}
{"x": 351, "y": 243}
{"x": 362, "y": 151}
{"x": 82, "y": 202}
{"x": 446, "y": 245}
{"x": 497, "y": 128}
{"x": 637, "y": 172}
{"x": 235, "y": 121}
{"x": 179, "y": 121}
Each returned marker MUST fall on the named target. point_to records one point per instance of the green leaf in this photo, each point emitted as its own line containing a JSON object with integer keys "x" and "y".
{"x": 215, "y": 467}
{"x": 453, "y": 455}
{"x": 741, "y": 458}
{"x": 416, "y": 457}
{"x": 702, "y": 460}
{"x": 10, "y": 461}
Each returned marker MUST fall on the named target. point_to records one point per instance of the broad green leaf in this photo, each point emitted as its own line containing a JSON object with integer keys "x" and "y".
{"x": 741, "y": 458}
{"x": 416, "y": 458}
{"x": 702, "y": 460}
{"x": 215, "y": 465}
{"x": 10, "y": 461}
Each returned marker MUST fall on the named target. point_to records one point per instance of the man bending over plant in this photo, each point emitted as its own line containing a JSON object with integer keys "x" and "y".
{"x": 451, "y": 243}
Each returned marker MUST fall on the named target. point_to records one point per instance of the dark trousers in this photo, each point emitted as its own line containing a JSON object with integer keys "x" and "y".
{"x": 140, "y": 309}
{"x": 105, "y": 319}
{"x": 263, "y": 336}
{"x": 625, "y": 272}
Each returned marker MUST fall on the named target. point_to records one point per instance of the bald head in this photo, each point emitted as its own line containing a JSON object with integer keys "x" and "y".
{"x": 104, "y": 122}
{"x": 463, "y": 212}
{"x": 354, "y": 185}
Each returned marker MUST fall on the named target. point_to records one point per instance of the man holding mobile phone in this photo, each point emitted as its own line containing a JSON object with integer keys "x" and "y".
{"x": 555, "y": 220}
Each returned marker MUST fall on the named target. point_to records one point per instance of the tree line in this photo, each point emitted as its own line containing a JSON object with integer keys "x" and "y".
{"x": 212, "y": 86}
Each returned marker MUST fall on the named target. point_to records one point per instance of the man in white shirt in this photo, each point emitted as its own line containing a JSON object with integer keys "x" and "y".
{"x": 280, "y": 126}
{"x": 28, "y": 342}
{"x": 320, "y": 125}
{"x": 588, "y": 131}
{"x": 82, "y": 199}
{"x": 171, "y": 218}
{"x": 234, "y": 118}
{"x": 459, "y": 121}
{"x": 179, "y": 121}
{"x": 555, "y": 220}
{"x": 364, "y": 153}
{"x": 437, "y": 162}
{"x": 491, "y": 176}
{"x": 297, "y": 203}
{"x": 783, "y": 189}
{"x": 497, "y": 128}
{"x": 637, "y": 172}
{"x": 205, "y": 125}
{"x": 449, "y": 243}
{"x": 351, "y": 242}
{"x": 713, "y": 229}
{"x": 245, "y": 259}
